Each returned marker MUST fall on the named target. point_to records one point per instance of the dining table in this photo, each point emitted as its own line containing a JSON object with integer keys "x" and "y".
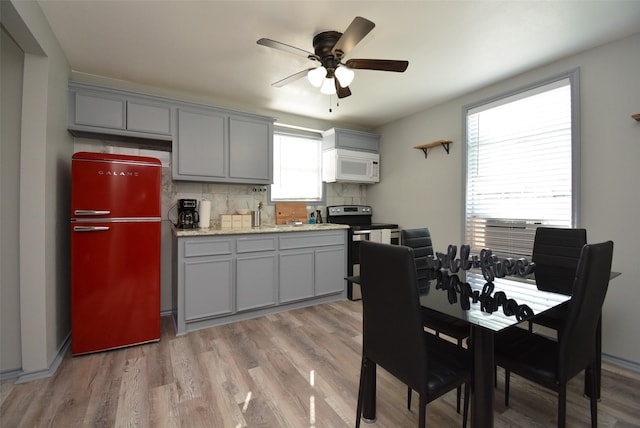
{"x": 489, "y": 307}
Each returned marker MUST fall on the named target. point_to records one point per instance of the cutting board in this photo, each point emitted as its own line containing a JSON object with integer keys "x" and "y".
{"x": 285, "y": 211}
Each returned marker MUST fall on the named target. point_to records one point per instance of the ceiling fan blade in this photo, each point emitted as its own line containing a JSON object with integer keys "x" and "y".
{"x": 378, "y": 64}
{"x": 340, "y": 91}
{"x": 356, "y": 31}
{"x": 292, "y": 78}
{"x": 284, "y": 47}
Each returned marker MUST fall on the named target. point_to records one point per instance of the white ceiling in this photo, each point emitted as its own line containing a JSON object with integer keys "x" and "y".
{"x": 209, "y": 47}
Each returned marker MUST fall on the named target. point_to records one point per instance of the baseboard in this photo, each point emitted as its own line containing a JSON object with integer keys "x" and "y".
{"x": 625, "y": 364}
{"x": 53, "y": 367}
{"x": 10, "y": 374}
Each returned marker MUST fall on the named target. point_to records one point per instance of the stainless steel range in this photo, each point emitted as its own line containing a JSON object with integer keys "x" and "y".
{"x": 358, "y": 217}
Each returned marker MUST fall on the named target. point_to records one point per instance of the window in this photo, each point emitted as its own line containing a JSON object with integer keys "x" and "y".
{"x": 297, "y": 168}
{"x": 522, "y": 165}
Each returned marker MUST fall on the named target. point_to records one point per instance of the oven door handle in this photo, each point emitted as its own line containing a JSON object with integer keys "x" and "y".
{"x": 361, "y": 232}
{"x": 360, "y": 235}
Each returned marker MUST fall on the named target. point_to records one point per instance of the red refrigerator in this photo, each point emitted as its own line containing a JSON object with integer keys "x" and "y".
{"x": 115, "y": 251}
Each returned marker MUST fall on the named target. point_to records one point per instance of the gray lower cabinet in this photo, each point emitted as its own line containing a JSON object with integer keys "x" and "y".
{"x": 256, "y": 271}
{"x": 210, "y": 282}
{"x": 225, "y": 278}
{"x": 328, "y": 274}
{"x": 296, "y": 275}
{"x": 206, "y": 264}
{"x": 311, "y": 264}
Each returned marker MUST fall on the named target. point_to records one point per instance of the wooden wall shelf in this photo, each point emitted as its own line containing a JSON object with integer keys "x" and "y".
{"x": 425, "y": 147}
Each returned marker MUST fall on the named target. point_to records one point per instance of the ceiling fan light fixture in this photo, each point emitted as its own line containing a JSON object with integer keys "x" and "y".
{"x": 344, "y": 75}
{"x": 316, "y": 76}
{"x": 328, "y": 86}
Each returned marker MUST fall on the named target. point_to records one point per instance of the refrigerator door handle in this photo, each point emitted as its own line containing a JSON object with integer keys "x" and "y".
{"x": 92, "y": 212}
{"x": 90, "y": 228}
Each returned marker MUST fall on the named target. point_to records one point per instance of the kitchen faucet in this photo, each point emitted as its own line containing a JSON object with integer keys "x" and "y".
{"x": 293, "y": 220}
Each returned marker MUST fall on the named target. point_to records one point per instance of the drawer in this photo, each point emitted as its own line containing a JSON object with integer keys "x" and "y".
{"x": 207, "y": 247}
{"x": 256, "y": 243}
{"x": 312, "y": 239}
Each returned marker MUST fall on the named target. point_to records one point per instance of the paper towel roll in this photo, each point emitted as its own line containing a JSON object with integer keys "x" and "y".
{"x": 204, "y": 212}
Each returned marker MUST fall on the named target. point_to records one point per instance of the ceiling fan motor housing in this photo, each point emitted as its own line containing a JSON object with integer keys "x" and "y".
{"x": 323, "y": 44}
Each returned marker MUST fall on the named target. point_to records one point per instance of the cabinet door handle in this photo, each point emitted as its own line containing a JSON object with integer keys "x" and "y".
{"x": 92, "y": 212}
{"x": 90, "y": 228}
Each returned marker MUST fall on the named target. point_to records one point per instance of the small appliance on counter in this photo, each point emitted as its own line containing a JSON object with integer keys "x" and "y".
{"x": 188, "y": 217}
{"x": 256, "y": 220}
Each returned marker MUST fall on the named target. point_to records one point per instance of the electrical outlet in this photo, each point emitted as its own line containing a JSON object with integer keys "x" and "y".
{"x": 259, "y": 189}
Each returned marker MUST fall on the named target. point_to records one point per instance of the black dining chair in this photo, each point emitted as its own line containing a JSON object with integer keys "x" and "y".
{"x": 393, "y": 332}
{"x": 420, "y": 241}
{"x": 552, "y": 363}
{"x": 556, "y": 252}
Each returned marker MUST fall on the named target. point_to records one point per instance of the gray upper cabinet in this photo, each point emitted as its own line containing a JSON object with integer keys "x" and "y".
{"x": 208, "y": 144}
{"x": 338, "y": 138}
{"x": 100, "y": 110}
{"x": 217, "y": 146}
{"x": 94, "y": 111}
{"x": 251, "y": 149}
{"x": 200, "y": 149}
{"x": 148, "y": 117}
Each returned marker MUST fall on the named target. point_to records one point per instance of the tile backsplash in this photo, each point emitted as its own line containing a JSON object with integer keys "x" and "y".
{"x": 225, "y": 198}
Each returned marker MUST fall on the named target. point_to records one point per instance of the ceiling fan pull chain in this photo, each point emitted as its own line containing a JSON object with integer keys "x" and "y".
{"x": 330, "y": 104}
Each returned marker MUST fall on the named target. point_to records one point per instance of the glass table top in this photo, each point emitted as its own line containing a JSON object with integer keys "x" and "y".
{"x": 443, "y": 291}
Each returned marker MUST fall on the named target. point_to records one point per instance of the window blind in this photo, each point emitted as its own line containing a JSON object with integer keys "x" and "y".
{"x": 297, "y": 167}
{"x": 519, "y": 169}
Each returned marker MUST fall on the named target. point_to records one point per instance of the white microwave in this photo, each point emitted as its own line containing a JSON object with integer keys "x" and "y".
{"x": 339, "y": 165}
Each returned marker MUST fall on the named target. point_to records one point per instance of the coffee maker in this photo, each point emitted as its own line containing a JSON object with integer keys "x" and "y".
{"x": 187, "y": 214}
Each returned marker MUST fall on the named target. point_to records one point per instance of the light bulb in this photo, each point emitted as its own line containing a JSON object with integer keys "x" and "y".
{"x": 316, "y": 76}
{"x": 344, "y": 76}
{"x": 328, "y": 86}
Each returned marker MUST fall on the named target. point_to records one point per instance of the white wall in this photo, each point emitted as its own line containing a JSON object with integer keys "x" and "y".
{"x": 415, "y": 191}
{"x": 46, "y": 149}
{"x": 12, "y": 59}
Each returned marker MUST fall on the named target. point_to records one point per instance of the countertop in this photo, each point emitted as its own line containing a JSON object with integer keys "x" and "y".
{"x": 267, "y": 228}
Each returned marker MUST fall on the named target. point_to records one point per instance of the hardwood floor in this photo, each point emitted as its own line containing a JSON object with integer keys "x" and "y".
{"x": 293, "y": 369}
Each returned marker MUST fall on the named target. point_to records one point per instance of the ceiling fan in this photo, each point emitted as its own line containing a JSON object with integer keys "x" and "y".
{"x": 333, "y": 76}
